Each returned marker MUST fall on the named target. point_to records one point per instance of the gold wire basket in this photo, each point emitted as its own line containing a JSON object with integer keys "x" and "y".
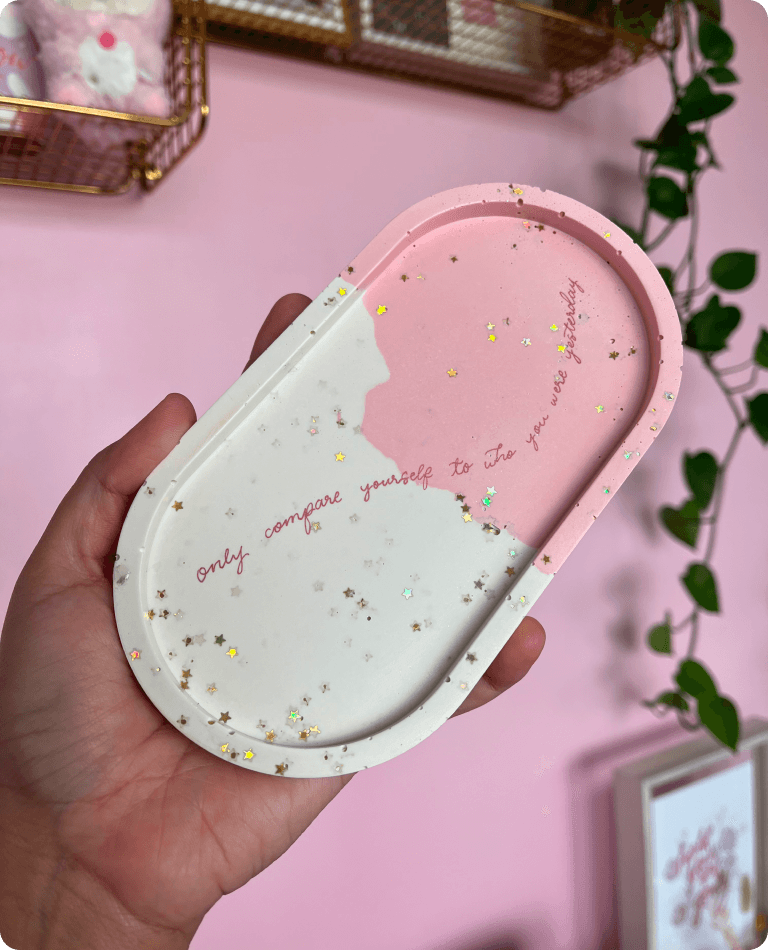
{"x": 41, "y": 150}
{"x": 541, "y": 54}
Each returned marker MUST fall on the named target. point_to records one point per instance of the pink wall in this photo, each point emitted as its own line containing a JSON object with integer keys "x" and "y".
{"x": 495, "y": 832}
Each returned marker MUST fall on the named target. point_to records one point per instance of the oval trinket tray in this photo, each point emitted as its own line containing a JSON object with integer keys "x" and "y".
{"x": 319, "y": 573}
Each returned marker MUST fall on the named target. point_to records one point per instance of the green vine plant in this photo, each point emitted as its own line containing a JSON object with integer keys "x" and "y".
{"x": 682, "y": 149}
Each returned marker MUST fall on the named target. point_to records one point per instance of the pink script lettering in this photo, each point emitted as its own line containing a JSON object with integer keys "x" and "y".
{"x": 203, "y": 572}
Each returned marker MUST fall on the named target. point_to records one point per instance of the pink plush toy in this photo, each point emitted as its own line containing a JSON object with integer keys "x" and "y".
{"x": 105, "y": 54}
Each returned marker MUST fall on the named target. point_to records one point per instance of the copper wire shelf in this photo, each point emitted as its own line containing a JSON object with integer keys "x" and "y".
{"x": 42, "y": 150}
{"x": 510, "y": 49}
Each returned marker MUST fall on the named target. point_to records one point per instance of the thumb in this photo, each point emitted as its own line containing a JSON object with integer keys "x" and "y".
{"x": 85, "y": 528}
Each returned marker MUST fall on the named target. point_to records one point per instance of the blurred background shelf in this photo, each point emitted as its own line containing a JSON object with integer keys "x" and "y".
{"x": 539, "y": 55}
{"x": 40, "y": 146}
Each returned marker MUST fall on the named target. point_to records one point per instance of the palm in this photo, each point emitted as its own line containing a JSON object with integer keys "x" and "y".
{"x": 138, "y": 804}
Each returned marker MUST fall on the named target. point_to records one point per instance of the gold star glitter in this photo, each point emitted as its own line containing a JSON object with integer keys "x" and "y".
{"x": 248, "y": 754}
{"x": 517, "y": 191}
{"x": 526, "y": 342}
{"x": 225, "y": 747}
{"x": 341, "y": 291}
{"x": 232, "y": 652}
{"x": 219, "y": 639}
{"x": 135, "y": 654}
{"x": 161, "y": 594}
{"x": 490, "y": 326}
{"x": 224, "y": 717}
{"x": 404, "y": 278}
{"x": 454, "y": 259}
{"x": 420, "y": 277}
{"x": 186, "y": 673}
{"x": 304, "y": 734}
{"x": 599, "y": 408}
{"x": 340, "y": 457}
{"x": 471, "y": 657}
{"x": 510, "y": 571}
{"x": 279, "y": 769}
{"x": 653, "y": 428}
{"x": 459, "y": 498}
{"x": 553, "y": 327}
{"x": 316, "y": 525}
{"x": 467, "y": 517}
{"x": 546, "y": 559}
{"x": 381, "y": 309}
{"x": 362, "y": 602}
{"x": 607, "y": 234}
{"x": 164, "y": 614}
{"x": 613, "y": 355}
{"x": 270, "y": 736}
{"x": 150, "y": 614}
{"x": 349, "y": 592}
{"x": 492, "y": 338}
{"x": 212, "y": 689}
{"x": 350, "y": 270}
{"x": 632, "y": 351}
{"x": 452, "y": 372}
{"x": 177, "y": 505}
{"x": 465, "y": 507}
{"x": 315, "y": 729}
{"x": 561, "y": 349}
{"x": 184, "y": 684}
{"x": 415, "y": 626}
{"x": 539, "y": 227}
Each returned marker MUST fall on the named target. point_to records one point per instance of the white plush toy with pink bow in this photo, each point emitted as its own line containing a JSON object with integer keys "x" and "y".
{"x": 105, "y": 54}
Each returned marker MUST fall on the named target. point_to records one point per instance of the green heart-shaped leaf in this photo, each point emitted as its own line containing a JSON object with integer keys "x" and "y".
{"x": 722, "y": 75}
{"x": 693, "y": 679}
{"x": 761, "y": 349}
{"x": 699, "y": 102}
{"x": 733, "y": 270}
{"x": 701, "y": 475}
{"x": 682, "y": 157}
{"x": 709, "y": 329}
{"x": 719, "y": 715}
{"x": 667, "y": 198}
{"x": 758, "y": 415}
{"x": 701, "y": 585}
{"x": 715, "y": 44}
{"x": 660, "y": 638}
{"x": 683, "y": 523}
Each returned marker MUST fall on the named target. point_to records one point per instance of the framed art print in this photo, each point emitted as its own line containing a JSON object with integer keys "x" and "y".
{"x": 691, "y": 846}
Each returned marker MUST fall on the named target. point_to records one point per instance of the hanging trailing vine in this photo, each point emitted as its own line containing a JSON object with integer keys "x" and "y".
{"x": 682, "y": 149}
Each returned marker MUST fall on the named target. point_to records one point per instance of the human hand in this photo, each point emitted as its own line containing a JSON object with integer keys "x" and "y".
{"x": 117, "y": 831}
